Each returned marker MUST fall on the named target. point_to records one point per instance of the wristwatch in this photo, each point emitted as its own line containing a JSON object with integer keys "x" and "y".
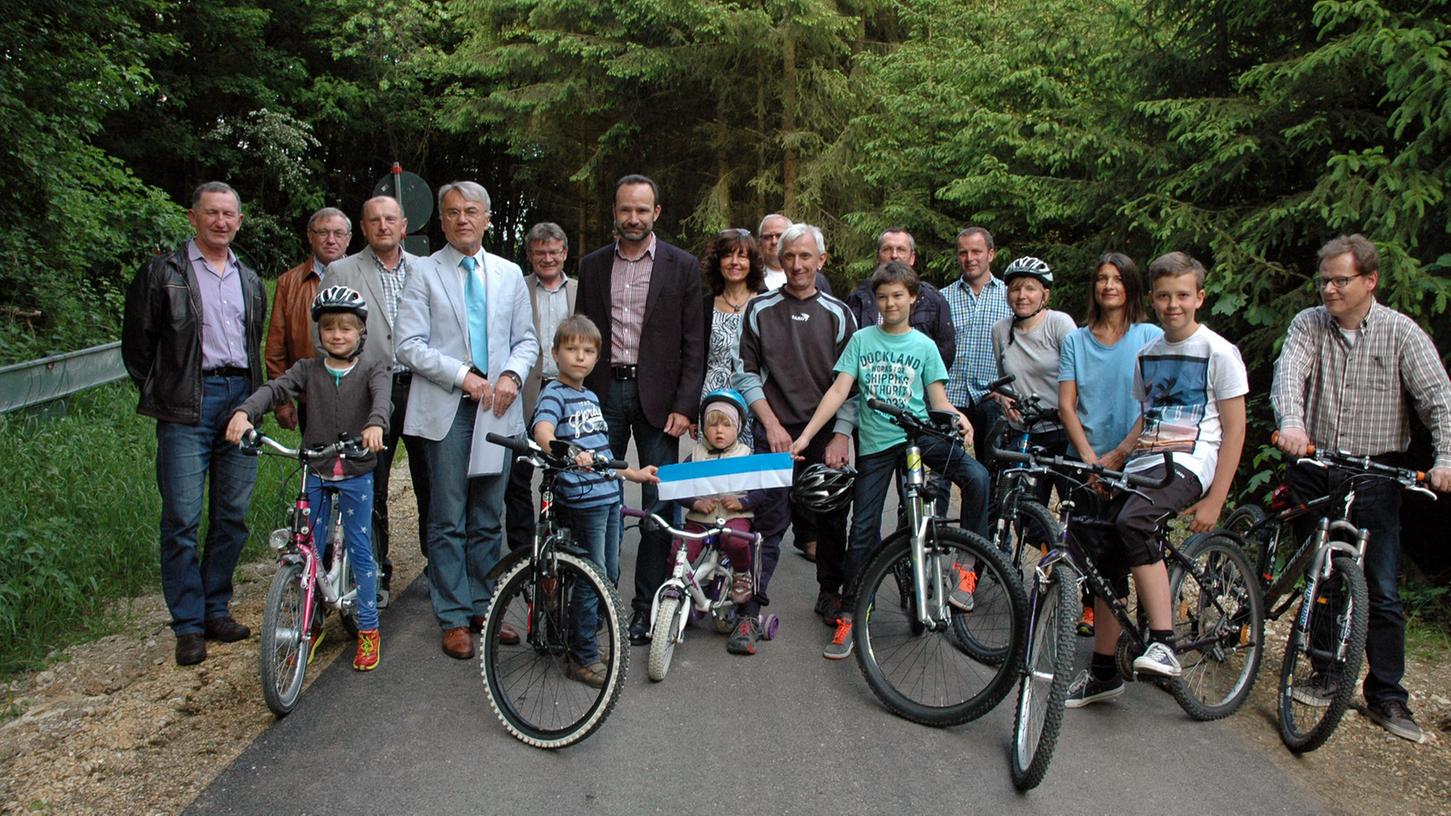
{"x": 518, "y": 383}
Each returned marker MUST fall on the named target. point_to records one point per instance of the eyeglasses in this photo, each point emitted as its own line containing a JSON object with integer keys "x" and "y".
{"x": 339, "y": 234}
{"x": 547, "y": 253}
{"x": 472, "y": 213}
{"x": 1338, "y": 282}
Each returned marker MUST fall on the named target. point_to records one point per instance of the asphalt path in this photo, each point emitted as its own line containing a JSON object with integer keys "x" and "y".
{"x": 784, "y": 731}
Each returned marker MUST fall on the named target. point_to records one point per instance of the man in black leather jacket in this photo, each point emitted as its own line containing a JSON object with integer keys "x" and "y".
{"x": 191, "y": 340}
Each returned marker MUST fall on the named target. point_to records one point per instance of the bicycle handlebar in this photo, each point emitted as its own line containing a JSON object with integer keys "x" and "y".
{"x": 719, "y": 528}
{"x": 253, "y": 442}
{"x": 1414, "y": 480}
{"x": 1031, "y": 409}
{"x": 563, "y": 460}
{"x": 1059, "y": 463}
{"x": 910, "y": 423}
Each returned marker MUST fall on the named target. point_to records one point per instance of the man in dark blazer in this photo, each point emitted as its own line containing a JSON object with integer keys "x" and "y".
{"x": 644, "y": 295}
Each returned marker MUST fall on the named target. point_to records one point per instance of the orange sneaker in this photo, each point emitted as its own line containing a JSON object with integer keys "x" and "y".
{"x": 368, "y": 650}
{"x": 961, "y": 595}
{"x": 841, "y": 643}
{"x": 1085, "y": 622}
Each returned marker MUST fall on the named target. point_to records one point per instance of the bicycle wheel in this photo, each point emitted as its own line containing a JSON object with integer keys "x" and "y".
{"x": 526, "y": 683}
{"x": 1240, "y": 521}
{"x": 1331, "y": 624}
{"x": 1045, "y": 677}
{"x": 1032, "y": 531}
{"x": 282, "y": 657}
{"x": 662, "y": 641}
{"x": 1216, "y": 605}
{"x": 918, "y": 671}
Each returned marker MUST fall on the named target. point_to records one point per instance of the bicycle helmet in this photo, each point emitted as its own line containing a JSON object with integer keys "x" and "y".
{"x": 728, "y": 398}
{"x": 335, "y": 299}
{"x": 823, "y": 489}
{"x": 1030, "y": 267}
{"x": 339, "y": 299}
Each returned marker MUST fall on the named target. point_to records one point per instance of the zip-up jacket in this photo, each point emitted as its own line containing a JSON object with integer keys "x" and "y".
{"x": 789, "y": 349}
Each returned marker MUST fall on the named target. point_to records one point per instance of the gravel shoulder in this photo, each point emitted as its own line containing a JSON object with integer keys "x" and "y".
{"x": 115, "y": 726}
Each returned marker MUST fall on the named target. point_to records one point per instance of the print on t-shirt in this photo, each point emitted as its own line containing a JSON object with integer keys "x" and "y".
{"x": 585, "y": 419}
{"x": 1178, "y": 392}
{"x": 889, "y": 376}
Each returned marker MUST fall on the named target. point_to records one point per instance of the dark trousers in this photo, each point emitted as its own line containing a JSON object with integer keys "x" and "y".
{"x": 417, "y": 471}
{"x": 519, "y": 506}
{"x": 830, "y": 527}
{"x": 1377, "y": 508}
{"x": 771, "y": 516}
{"x": 621, "y": 409}
{"x": 980, "y": 415}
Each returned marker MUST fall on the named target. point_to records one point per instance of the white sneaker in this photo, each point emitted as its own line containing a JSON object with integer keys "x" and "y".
{"x": 1157, "y": 660}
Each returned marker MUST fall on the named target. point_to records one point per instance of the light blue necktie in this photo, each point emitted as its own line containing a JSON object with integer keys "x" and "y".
{"x": 478, "y": 305}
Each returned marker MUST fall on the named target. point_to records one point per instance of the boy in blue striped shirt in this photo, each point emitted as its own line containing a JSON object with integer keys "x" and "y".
{"x": 588, "y": 502}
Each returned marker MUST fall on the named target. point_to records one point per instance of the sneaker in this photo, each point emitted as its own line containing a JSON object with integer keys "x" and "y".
{"x": 1395, "y": 717}
{"x": 1087, "y": 690}
{"x": 592, "y": 675}
{"x": 1085, "y": 622}
{"x": 1318, "y": 692}
{"x": 318, "y": 636}
{"x": 743, "y": 639}
{"x": 741, "y": 587}
{"x": 828, "y": 606}
{"x": 1158, "y": 660}
{"x": 961, "y": 595}
{"x": 368, "y": 651}
{"x": 841, "y": 643}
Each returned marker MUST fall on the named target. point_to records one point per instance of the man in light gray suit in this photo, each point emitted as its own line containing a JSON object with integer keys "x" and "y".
{"x": 551, "y": 293}
{"x": 464, "y": 328}
{"x": 380, "y": 272}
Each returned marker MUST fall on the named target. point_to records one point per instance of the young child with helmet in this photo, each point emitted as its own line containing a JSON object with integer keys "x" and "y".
{"x": 344, "y": 396}
{"x": 723, "y": 415}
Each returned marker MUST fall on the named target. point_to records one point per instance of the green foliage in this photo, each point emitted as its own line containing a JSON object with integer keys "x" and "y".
{"x": 79, "y": 526}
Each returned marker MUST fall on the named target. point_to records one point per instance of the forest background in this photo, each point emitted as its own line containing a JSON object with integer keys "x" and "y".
{"x": 1246, "y": 132}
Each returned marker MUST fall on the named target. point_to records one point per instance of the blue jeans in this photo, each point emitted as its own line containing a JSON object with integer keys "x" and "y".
{"x": 186, "y": 457}
{"x": 597, "y": 530}
{"x": 621, "y": 409}
{"x": 1377, "y": 508}
{"x": 464, "y": 530}
{"x": 356, "y": 496}
{"x": 869, "y": 491}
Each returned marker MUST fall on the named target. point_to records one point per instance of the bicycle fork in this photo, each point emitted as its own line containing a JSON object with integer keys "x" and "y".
{"x": 931, "y": 612}
{"x": 1320, "y": 570}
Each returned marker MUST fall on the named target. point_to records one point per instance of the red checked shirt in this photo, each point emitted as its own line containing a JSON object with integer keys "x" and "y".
{"x": 1352, "y": 397}
{"x": 629, "y": 287}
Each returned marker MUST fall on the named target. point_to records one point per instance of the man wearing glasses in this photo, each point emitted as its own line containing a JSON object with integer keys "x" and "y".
{"x": 1341, "y": 384}
{"x": 289, "y": 335}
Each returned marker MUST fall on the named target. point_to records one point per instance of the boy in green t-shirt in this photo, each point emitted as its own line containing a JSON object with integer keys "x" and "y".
{"x": 901, "y": 366}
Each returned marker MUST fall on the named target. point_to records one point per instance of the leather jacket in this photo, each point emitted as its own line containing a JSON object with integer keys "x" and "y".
{"x": 161, "y": 341}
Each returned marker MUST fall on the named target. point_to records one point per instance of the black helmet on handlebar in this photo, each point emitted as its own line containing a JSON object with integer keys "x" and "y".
{"x": 824, "y": 489}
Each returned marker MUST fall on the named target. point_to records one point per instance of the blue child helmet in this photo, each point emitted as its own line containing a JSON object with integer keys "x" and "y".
{"x": 731, "y": 397}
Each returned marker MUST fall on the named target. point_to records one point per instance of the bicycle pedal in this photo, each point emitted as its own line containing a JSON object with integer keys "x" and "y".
{"x": 383, "y": 596}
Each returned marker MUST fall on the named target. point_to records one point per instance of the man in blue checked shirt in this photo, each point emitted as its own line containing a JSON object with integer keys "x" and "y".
{"x": 977, "y": 300}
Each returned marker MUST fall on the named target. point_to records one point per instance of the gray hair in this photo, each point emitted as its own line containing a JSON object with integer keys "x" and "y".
{"x": 911, "y": 242}
{"x": 330, "y": 212}
{"x": 470, "y": 190}
{"x": 214, "y": 187}
{"x": 797, "y": 231}
{"x": 762, "y": 228}
{"x": 545, "y": 231}
{"x": 986, "y": 236}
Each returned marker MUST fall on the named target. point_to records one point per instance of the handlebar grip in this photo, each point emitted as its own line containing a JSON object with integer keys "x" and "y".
{"x": 513, "y": 443}
{"x": 1275, "y": 440}
{"x": 1159, "y": 483}
{"x": 994, "y": 453}
{"x": 252, "y": 442}
{"x": 612, "y": 464}
{"x": 891, "y": 410}
{"x": 1001, "y": 381}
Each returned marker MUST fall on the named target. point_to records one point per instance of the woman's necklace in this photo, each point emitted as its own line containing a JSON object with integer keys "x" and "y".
{"x": 736, "y": 307}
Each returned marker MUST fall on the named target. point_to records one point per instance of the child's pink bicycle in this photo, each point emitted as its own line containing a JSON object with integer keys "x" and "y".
{"x": 303, "y": 588}
{"x": 694, "y": 591}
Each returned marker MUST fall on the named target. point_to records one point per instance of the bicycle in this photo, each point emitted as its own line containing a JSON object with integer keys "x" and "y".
{"x": 303, "y": 588}
{"x": 694, "y": 591}
{"x": 910, "y": 643}
{"x": 1325, "y": 574}
{"x": 541, "y": 591}
{"x": 1019, "y": 524}
{"x": 1217, "y": 619}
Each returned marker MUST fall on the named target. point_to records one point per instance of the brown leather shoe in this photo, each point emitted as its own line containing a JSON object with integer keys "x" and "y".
{"x": 190, "y": 649}
{"x": 226, "y": 630}
{"x": 458, "y": 643}
{"x": 508, "y": 635}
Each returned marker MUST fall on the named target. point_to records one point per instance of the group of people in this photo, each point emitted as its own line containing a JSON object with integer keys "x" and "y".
{"x": 745, "y": 349}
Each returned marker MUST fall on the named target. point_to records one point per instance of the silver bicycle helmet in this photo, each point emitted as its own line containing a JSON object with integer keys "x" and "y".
{"x": 339, "y": 299}
{"x": 824, "y": 489}
{"x": 1029, "y": 267}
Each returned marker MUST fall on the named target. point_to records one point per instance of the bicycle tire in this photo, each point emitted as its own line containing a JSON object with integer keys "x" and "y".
{"x": 526, "y": 684}
{"x": 1240, "y": 521}
{"x": 338, "y": 546}
{"x": 1222, "y": 602}
{"x": 1044, "y": 677}
{"x": 1305, "y": 727}
{"x": 282, "y": 657}
{"x": 1032, "y": 525}
{"x": 662, "y": 640}
{"x": 923, "y": 674}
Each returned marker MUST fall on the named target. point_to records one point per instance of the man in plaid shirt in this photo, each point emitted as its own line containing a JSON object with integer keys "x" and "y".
{"x": 977, "y": 301}
{"x": 1341, "y": 383}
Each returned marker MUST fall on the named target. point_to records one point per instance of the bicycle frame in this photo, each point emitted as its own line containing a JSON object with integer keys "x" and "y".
{"x": 689, "y": 580}
{"x": 938, "y": 616}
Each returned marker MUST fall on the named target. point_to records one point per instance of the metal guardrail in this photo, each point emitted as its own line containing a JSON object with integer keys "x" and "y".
{"x": 58, "y": 376}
